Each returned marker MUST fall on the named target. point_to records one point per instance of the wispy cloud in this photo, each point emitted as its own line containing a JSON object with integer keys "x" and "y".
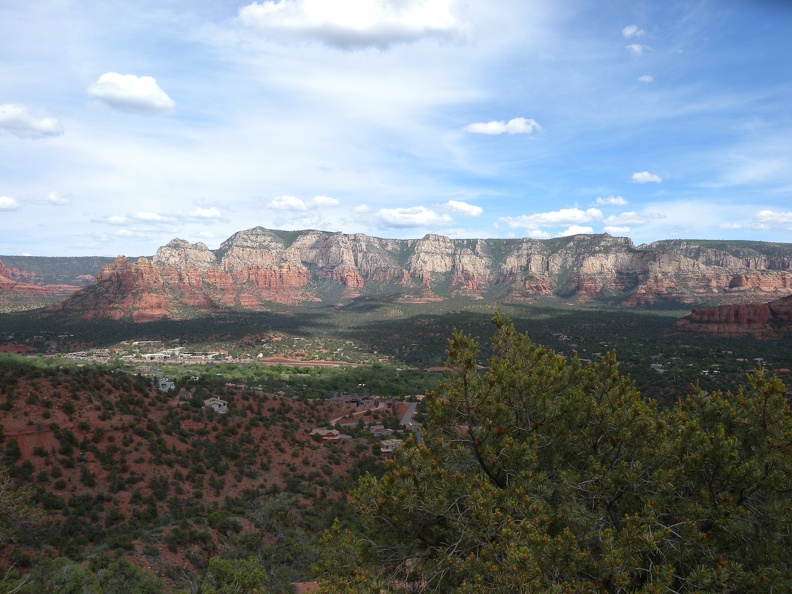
{"x": 18, "y": 120}
{"x": 151, "y": 217}
{"x": 610, "y": 201}
{"x": 132, "y": 94}
{"x": 417, "y": 122}
{"x": 631, "y": 31}
{"x": 559, "y": 218}
{"x": 497, "y": 127}
{"x": 767, "y": 219}
{"x": 636, "y": 49}
{"x": 416, "y": 216}
{"x": 625, "y": 218}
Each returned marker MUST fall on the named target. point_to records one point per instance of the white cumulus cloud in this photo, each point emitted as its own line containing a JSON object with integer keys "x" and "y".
{"x": 325, "y": 201}
{"x": 8, "y": 203}
{"x": 616, "y": 230}
{"x": 610, "y": 201}
{"x": 416, "y": 216}
{"x": 18, "y": 120}
{"x": 566, "y": 217}
{"x": 353, "y": 24}
{"x": 463, "y": 208}
{"x": 287, "y": 202}
{"x": 636, "y": 49}
{"x": 56, "y": 199}
{"x": 206, "y": 213}
{"x": 576, "y": 230}
{"x": 646, "y": 78}
{"x": 766, "y": 219}
{"x": 132, "y": 94}
{"x": 631, "y": 31}
{"x": 513, "y": 126}
{"x": 644, "y": 177}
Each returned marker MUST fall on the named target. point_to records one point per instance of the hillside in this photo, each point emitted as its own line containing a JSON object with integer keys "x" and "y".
{"x": 118, "y": 465}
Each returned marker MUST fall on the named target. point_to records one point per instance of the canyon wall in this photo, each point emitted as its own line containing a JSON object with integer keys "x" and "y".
{"x": 260, "y": 269}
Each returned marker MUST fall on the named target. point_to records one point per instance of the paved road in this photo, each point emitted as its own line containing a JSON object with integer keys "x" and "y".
{"x": 406, "y": 420}
{"x": 358, "y": 413}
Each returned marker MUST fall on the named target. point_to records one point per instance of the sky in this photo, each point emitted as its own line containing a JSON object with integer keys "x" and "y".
{"x": 125, "y": 124}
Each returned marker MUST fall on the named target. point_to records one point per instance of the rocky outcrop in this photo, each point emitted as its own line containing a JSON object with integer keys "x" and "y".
{"x": 8, "y": 285}
{"x": 14, "y": 281}
{"x": 123, "y": 290}
{"x": 261, "y": 268}
{"x": 760, "y": 320}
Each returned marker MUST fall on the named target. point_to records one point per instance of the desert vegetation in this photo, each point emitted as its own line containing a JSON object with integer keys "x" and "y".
{"x": 544, "y": 474}
{"x": 107, "y": 474}
{"x": 106, "y": 466}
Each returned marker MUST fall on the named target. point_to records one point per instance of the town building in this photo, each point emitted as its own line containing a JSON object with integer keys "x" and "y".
{"x": 219, "y": 406}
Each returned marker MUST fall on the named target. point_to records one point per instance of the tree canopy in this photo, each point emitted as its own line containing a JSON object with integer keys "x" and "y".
{"x": 540, "y": 473}
{"x": 16, "y": 514}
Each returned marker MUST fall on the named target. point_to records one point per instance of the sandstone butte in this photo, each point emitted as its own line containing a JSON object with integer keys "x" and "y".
{"x": 760, "y": 320}
{"x": 261, "y": 269}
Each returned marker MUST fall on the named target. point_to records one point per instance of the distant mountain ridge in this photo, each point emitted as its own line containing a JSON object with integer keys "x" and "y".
{"x": 261, "y": 268}
{"x": 53, "y": 270}
{"x": 30, "y": 281}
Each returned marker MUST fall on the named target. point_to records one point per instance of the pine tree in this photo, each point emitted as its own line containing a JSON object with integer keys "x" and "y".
{"x": 540, "y": 473}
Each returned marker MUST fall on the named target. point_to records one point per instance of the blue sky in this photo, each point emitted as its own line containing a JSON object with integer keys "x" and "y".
{"x": 125, "y": 124}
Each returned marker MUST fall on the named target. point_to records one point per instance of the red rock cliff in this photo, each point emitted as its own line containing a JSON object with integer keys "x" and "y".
{"x": 760, "y": 320}
{"x": 260, "y": 268}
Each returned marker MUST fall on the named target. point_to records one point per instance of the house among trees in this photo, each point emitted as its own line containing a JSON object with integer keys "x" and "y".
{"x": 330, "y": 435}
{"x": 388, "y": 446}
{"x": 219, "y": 406}
{"x": 354, "y": 400}
{"x": 380, "y": 431}
{"x": 165, "y": 384}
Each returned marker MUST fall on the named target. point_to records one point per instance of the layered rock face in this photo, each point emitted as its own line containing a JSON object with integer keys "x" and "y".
{"x": 23, "y": 282}
{"x": 760, "y": 320}
{"x": 261, "y": 268}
